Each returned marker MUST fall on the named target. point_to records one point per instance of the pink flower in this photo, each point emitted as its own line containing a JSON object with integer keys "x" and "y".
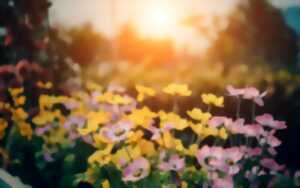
{"x": 217, "y": 158}
{"x": 271, "y": 164}
{"x": 268, "y": 120}
{"x": 253, "y": 130}
{"x": 209, "y": 157}
{"x": 136, "y": 170}
{"x": 76, "y": 121}
{"x": 217, "y": 121}
{"x": 236, "y": 127}
{"x": 252, "y": 93}
{"x": 117, "y": 132}
{"x": 251, "y": 152}
{"x": 271, "y": 139}
{"x": 226, "y": 182}
{"x": 235, "y": 91}
{"x": 231, "y": 156}
{"x": 156, "y": 132}
{"x": 175, "y": 163}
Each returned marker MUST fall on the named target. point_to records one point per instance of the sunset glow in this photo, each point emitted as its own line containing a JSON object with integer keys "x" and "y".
{"x": 157, "y": 20}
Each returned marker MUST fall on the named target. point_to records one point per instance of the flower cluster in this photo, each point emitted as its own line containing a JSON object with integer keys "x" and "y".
{"x": 136, "y": 146}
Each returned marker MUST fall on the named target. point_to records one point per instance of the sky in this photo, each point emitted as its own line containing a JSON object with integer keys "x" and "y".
{"x": 99, "y": 13}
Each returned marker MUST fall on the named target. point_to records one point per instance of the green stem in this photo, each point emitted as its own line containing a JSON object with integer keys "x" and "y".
{"x": 9, "y": 142}
{"x": 175, "y": 105}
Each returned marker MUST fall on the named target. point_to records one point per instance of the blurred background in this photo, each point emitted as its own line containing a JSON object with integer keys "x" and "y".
{"x": 206, "y": 44}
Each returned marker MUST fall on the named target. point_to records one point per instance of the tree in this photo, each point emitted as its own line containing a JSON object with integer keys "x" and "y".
{"x": 256, "y": 32}
{"x": 24, "y": 30}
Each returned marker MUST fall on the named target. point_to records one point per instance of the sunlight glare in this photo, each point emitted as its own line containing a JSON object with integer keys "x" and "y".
{"x": 158, "y": 20}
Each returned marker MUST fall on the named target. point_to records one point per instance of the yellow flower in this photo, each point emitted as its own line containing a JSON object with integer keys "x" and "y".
{"x": 19, "y": 114}
{"x": 112, "y": 98}
{"x": 210, "y": 131}
{"x": 94, "y": 120}
{"x": 141, "y": 117}
{"x": 44, "y": 85}
{"x": 197, "y": 128}
{"x": 223, "y": 133}
{"x": 16, "y": 91}
{"x": 169, "y": 142}
{"x": 102, "y": 156}
{"x": 177, "y": 89}
{"x": 143, "y": 92}
{"x": 192, "y": 150}
{"x": 125, "y": 155}
{"x": 3, "y": 126}
{"x": 25, "y": 130}
{"x": 47, "y": 102}
{"x": 172, "y": 119}
{"x": 46, "y": 117}
{"x": 105, "y": 184}
{"x": 5, "y": 106}
{"x": 184, "y": 184}
{"x": 19, "y": 100}
{"x": 147, "y": 148}
{"x": 134, "y": 137}
{"x": 198, "y": 115}
{"x": 211, "y": 99}
{"x": 93, "y": 86}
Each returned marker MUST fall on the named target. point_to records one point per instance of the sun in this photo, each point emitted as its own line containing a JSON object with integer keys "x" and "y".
{"x": 159, "y": 17}
{"x": 157, "y": 20}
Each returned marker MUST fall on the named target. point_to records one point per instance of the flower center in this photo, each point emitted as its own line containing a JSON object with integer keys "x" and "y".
{"x": 138, "y": 173}
{"x": 119, "y": 132}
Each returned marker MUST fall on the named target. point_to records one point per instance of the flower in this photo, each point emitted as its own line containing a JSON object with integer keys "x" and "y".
{"x": 105, "y": 184}
{"x": 198, "y": 115}
{"x": 94, "y": 120}
{"x": 77, "y": 121}
{"x": 102, "y": 156}
{"x": 252, "y": 130}
{"x": 19, "y": 114}
{"x": 47, "y": 102}
{"x": 143, "y": 92}
{"x": 271, "y": 139}
{"x": 136, "y": 170}
{"x": 44, "y": 85}
{"x": 25, "y": 130}
{"x": 116, "y": 132}
{"x": 141, "y": 117}
{"x": 46, "y": 116}
{"x": 211, "y": 99}
{"x": 268, "y": 121}
{"x": 173, "y": 120}
{"x": 225, "y": 182}
{"x": 3, "y": 126}
{"x": 252, "y": 93}
{"x": 93, "y": 86}
{"x": 218, "y": 121}
{"x": 217, "y": 158}
{"x": 16, "y": 91}
{"x": 207, "y": 156}
{"x": 177, "y": 89}
{"x": 147, "y": 147}
{"x": 223, "y": 133}
{"x": 174, "y": 163}
{"x": 230, "y": 157}
{"x": 271, "y": 164}
{"x": 111, "y": 98}
{"x": 234, "y": 91}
